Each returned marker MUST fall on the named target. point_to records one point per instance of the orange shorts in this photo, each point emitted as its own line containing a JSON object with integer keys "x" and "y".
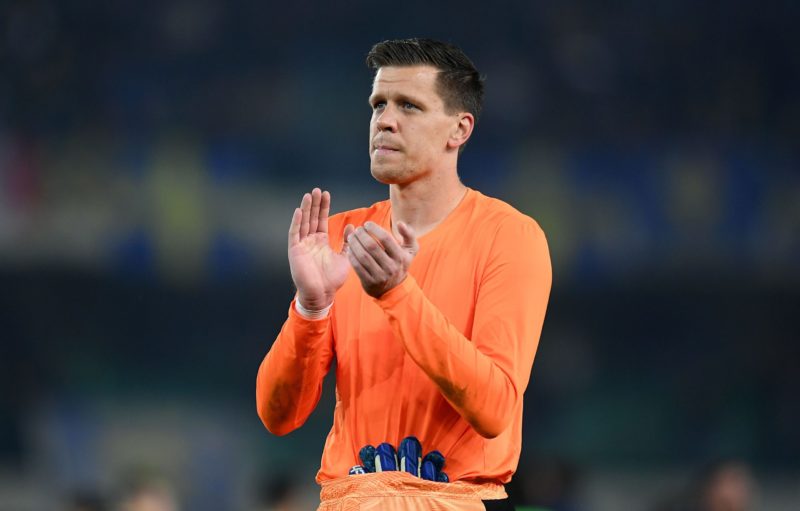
{"x": 398, "y": 491}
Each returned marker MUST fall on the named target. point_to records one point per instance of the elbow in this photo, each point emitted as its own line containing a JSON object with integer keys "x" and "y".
{"x": 487, "y": 433}
{"x": 272, "y": 406}
{"x": 276, "y": 423}
{"x": 491, "y": 418}
{"x": 491, "y": 425}
{"x": 490, "y": 429}
{"x": 493, "y": 422}
{"x": 277, "y": 428}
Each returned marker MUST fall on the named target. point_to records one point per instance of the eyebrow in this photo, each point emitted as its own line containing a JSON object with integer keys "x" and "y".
{"x": 401, "y": 98}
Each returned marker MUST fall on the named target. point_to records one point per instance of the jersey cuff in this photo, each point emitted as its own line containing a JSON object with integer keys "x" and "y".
{"x": 398, "y": 293}
{"x": 314, "y": 325}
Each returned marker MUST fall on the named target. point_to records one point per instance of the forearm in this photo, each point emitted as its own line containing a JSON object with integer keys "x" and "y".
{"x": 475, "y": 385}
{"x": 483, "y": 377}
{"x": 289, "y": 381}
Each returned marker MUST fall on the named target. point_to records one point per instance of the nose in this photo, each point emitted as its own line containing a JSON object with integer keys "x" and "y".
{"x": 386, "y": 120}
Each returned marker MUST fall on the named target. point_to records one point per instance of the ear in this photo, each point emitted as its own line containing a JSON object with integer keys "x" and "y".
{"x": 461, "y": 131}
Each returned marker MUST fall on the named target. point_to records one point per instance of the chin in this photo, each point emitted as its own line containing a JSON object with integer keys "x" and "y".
{"x": 385, "y": 175}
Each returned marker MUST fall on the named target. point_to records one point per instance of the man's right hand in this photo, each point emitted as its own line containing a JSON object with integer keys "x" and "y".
{"x": 316, "y": 269}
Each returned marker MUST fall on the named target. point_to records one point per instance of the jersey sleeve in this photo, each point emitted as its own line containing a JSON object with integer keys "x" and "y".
{"x": 289, "y": 381}
{"x": 484, "y": 377}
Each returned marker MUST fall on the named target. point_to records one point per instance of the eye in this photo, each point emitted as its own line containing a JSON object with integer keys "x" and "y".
{"x": 409, "y": 106}
{"x": 378, "y": 105}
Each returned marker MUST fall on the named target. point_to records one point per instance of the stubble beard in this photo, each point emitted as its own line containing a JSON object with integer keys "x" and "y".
{"x": 389, "y": 174}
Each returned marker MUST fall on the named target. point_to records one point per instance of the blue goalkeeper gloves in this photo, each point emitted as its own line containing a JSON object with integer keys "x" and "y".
{"x": 408, "y": 458}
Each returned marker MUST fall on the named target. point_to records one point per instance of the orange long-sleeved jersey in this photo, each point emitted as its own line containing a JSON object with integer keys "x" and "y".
{"x": 444, "y": 356}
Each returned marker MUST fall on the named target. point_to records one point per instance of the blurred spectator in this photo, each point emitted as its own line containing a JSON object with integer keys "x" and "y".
{"x": 545, "y": 485}
{"x": 147, "y": 492}
{"x": 278, "y": 493}
{"x": 727, "y": 486}
{"x": 86, "y": 500}
{"x": 724, "y": 486}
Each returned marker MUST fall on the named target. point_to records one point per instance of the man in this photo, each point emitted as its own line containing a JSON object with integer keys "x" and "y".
{"x": 432, "y": 303}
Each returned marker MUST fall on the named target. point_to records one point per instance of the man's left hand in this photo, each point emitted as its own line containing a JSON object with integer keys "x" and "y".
{"x": 381, "y": 261}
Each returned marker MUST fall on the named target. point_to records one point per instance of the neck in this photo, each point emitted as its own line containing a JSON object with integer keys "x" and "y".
{"x": 424, "y": 204}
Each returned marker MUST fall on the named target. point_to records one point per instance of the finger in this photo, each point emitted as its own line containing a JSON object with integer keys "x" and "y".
{"x": 427, "y": 471}
{"x": 410, "y": 454}
{"x": 385, "y": 458}
{"x": 305, "y": 206}
{"x": 367, "y": 455}
{"x": 324, "y": 210}
{"x": 294, "y": 227}
{"x": 409, "y": 238}
{"x": 362, "y": 273}
{"x": 376, "y": 250}
{"x": 313, "y": 222}
{"x": 362, "y": 255}
{"x": 436, "y": 459}
{"x": 348, "y": 230}
{"x": 390, "y": 245}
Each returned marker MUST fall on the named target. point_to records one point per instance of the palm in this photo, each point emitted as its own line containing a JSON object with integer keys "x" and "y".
{"x": 317, "y": 270}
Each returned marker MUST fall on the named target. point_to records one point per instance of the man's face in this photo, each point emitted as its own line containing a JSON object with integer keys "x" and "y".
{"x": 409, "y": 129}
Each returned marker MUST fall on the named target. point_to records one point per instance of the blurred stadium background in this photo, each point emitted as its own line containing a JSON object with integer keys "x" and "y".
{"x": 150, "y": 157}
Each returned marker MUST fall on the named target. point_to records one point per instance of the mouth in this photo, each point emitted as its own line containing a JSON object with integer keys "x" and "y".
{"x": 384, "y": 149}
{"x": 382, "y": 144}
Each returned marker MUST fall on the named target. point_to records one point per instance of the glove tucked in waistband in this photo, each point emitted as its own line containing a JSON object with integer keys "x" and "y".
{"x": 408, "y": 458}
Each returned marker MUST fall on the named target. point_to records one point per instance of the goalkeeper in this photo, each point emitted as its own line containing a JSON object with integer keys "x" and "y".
{"x": 431, "y": 301}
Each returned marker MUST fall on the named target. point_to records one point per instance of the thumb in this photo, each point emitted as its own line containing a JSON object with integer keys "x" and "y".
{"x": 409, "y": 239}
{"x": 348, "y": 230}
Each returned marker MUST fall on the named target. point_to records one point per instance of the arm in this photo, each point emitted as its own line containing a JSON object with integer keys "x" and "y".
{"x": 289, "y": 381}
{"x": 483, "y": 378}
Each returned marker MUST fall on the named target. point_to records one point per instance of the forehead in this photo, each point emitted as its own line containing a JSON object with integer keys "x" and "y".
{"x": 405, "y": 79}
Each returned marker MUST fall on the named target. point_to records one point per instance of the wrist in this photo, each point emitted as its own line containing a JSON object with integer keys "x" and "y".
{"x": 312, "y": 313}
{"x": 313, "y": 301}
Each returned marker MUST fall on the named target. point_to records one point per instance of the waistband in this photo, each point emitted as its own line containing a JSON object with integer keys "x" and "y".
{"x": 384, "y": 484}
